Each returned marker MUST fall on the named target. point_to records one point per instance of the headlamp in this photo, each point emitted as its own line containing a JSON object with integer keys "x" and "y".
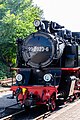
{"x": 47, "y": 77}
{"x": 19, "y": 77}
{"x": 37, "y": 23}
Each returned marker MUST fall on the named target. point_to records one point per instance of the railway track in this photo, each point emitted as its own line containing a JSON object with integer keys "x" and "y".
{"x": 43, "y": 116}
{"x": 7, "y": 82}
{"x": 39, "y": 115}
{"x": 21, "y": 115}
{"x": 11, "y": 117}
{"x": 27, "y": 114}
{"x": 2, "y": 89}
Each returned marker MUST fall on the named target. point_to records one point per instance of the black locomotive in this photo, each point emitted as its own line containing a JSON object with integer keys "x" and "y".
{"x": 48, "y": 65}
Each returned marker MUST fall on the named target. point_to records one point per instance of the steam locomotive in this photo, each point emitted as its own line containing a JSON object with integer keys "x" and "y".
{"x": 48, "y": 66}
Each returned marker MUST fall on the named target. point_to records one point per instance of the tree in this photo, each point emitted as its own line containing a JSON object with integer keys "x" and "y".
{"x": 16, "y": 21}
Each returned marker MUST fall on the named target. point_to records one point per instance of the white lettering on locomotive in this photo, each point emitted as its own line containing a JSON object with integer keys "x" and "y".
{"x": 38, "y": 49}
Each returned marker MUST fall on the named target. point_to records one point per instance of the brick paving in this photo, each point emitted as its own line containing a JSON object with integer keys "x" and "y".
{"x": 71, "y": 112}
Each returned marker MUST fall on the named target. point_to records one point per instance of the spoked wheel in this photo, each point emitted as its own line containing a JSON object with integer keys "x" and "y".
{"x": 71, "y": 99}
{"x": 76, "y": 96}
{"x": 52, "y": 104}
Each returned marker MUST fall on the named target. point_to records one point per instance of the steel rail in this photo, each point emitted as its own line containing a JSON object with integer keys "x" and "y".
{"x": 45, "y": 115}
{"x": 9, "y": 117}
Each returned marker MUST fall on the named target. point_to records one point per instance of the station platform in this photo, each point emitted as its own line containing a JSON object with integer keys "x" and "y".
{"x": 70, "y": 112}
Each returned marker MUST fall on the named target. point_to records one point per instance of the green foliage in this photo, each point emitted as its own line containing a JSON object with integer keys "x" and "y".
{"x": 16, "y": 21}
{"x": 4, "y": 72}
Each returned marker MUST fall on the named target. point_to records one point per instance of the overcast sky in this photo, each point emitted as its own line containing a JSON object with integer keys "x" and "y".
{"x": 65, "y": 12}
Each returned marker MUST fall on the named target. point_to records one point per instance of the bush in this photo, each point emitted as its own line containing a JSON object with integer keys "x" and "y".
{"x": 4, "y": 71}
